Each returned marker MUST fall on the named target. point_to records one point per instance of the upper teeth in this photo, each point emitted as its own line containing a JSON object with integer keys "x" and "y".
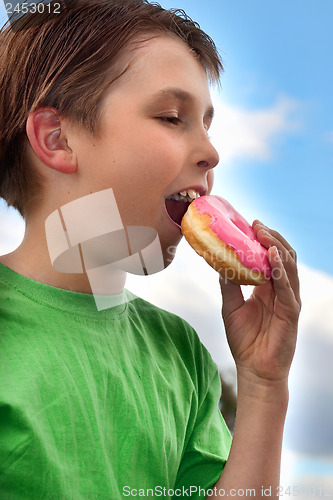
{"x": 188, "y": 195}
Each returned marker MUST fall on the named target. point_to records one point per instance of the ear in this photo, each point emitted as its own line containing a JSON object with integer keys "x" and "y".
{"x": 47, "y": 136}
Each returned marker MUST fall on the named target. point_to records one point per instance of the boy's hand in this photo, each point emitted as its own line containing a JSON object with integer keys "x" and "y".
{"x": 262, "y": 330}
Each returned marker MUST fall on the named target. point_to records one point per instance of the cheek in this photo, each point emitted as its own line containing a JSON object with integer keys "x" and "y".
{"x": 154, "y": 158}
{"x": 144, "y": 157}
{"x": 166, "y": 151}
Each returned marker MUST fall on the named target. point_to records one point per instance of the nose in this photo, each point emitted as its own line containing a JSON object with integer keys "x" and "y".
{"x": 207, "y": 156}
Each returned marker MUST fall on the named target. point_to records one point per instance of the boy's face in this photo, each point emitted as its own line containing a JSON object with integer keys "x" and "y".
{"x": 153, "y": 139}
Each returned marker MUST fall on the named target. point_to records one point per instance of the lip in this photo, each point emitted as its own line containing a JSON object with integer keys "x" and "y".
{"x": 171, "y": 220}
{"x": 199, "y": 189}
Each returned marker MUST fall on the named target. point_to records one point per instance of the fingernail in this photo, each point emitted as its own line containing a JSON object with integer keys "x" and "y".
{"x": 277, "y": 253}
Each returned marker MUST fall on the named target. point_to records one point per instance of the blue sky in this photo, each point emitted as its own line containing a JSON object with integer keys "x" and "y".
{"x": 276, "y": 97}
{"x": 274, "y": 132}
{"x": 273, "y": 49}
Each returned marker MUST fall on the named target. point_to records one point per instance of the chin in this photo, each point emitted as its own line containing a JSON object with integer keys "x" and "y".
{"x": 169, "y": 253}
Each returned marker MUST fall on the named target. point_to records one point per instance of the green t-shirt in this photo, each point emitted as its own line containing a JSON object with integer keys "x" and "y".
{"x": 103, "y": 404}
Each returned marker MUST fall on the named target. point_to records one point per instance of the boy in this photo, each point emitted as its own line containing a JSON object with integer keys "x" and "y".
{"x": 114, "y": 95}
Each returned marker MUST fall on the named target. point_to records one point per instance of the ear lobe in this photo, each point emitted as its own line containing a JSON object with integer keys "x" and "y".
{"x": 47, "y": 136}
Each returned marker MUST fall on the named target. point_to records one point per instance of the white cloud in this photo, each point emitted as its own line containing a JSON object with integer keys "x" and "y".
{"x": 11, "y": 229}
{"x": 251, "y": 133}
{"x": 310, "y": 416}
{"x": 305, "y": 476}
{"x": 317, "y": 296}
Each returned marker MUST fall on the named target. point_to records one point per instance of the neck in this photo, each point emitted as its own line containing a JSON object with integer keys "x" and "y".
{"x": 32, "y": 259}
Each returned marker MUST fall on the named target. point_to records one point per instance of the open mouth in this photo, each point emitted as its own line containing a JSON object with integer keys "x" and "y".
{"x": 177, "y": 204}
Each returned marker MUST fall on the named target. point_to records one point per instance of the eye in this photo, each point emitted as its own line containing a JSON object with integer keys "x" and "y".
{"x": 174, "y": 120}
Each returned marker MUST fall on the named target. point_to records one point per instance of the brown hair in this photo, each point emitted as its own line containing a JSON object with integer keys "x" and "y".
{"x": 64, "y": 61}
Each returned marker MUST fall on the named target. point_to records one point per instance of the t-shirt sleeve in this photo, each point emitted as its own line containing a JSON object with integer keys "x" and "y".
{"x": 208, "y": 446}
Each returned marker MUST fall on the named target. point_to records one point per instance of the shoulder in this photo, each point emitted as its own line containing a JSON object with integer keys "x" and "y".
{"x": 176, "y": 334}
{"x": 157, "y": 313}
{"x": 165, "y": 321}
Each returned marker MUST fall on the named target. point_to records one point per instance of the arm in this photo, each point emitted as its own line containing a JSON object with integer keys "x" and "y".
{"x": 254, "y": 460}
{"x": 262, "y": 335}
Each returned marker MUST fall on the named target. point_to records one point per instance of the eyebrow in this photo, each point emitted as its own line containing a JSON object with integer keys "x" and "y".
{"x": 182, "y": 96}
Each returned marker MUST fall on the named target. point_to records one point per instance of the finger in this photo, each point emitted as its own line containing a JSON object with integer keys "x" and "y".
{"x": 289, "y": 264}
{"x": 268, "y": 240}
{"x": 257, "y": 226}
{"x": 282, "y": 286}
{"x": 232, "y": 297}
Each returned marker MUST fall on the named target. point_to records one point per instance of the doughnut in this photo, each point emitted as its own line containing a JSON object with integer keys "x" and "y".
{"x": 217, "y": 232}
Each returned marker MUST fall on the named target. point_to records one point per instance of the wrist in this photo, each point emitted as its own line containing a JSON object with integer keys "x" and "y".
{"x": 261, "y": 390}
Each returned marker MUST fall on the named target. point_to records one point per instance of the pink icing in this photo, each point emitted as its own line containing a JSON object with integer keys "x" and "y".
{"x": 234, "y": 231}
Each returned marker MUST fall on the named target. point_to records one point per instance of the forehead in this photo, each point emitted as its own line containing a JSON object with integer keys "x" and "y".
{"x": 164, "y": 61}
